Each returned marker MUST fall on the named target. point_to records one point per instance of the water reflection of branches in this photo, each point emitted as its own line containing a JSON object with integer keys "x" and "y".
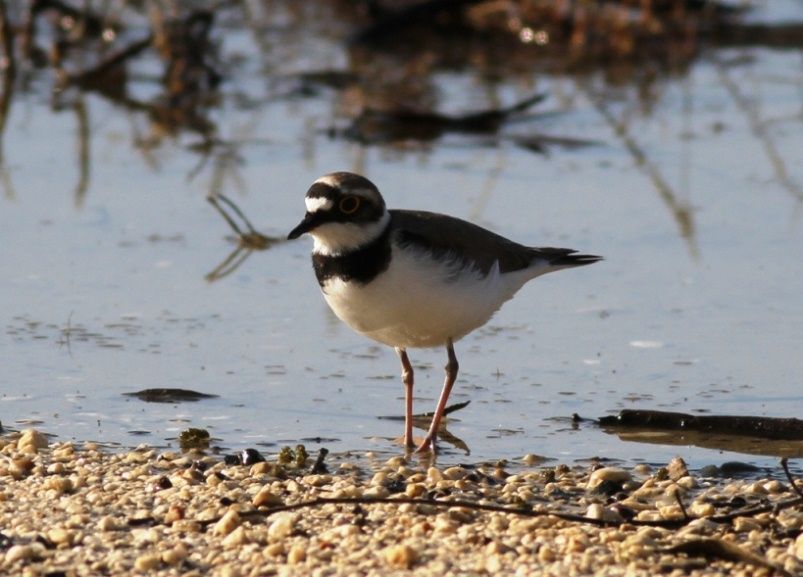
{"x": 248, "y": 238}
{"x": 8, "y": 69}
{"x": 90, "y": 51}
{"x": 681, "y": 211}
{"x": 181, "y": 40}
{"x": 759, "y": 128}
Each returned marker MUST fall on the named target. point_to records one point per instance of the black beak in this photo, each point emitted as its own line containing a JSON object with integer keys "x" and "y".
{"x": 305, "y": 225}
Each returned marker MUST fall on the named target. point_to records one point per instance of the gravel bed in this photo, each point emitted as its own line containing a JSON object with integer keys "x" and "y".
{"x": 71, "y": 509}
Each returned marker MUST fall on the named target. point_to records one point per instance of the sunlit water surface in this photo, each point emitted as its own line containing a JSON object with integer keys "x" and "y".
{"x": 698, "y": 306}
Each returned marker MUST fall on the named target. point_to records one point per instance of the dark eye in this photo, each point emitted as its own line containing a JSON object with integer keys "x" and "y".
{"x": 349, "y": 204}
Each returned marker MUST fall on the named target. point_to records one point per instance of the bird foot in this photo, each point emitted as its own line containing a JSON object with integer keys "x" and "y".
{"x": 427, "y": 445}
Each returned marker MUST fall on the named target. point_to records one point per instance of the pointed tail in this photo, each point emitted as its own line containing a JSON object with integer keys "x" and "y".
{"x": 564, "y": 257}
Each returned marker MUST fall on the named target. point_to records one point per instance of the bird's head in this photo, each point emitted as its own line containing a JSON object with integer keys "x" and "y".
{"x": 344, "y": 211}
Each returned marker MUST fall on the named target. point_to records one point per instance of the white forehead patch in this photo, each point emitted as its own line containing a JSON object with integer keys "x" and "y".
{"x": 336, "y": 182}
{"x": 318, "y": 203}
{"x": 329, "y": 180}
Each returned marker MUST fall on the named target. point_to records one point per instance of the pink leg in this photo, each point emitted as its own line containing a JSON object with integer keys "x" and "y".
{"x": 451, "y": 375}
{"x": 407, "y": 379}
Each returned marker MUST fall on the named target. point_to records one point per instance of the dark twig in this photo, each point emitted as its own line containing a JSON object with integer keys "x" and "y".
{"x": 518, "y": 511}
{"x": 785, "y": 466}
{"x": 761, "y": 427}
{"x": 679, "y": 501}
{"x": 757, "y": 510}
{"x": 320, "y": 467}
{"x": 720, "y": 549}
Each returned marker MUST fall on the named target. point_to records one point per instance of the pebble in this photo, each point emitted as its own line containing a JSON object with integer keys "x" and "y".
{"x": 282, "y": 525}
{"x": 798, "y": 547}
{"x": 81, "y": 510}
{"x": 677, "y": 469}
{"x": 401, "y": 556}
{"x": 31, "y": 440}
{"x": 297, "y": 555}
{"x": 227, "y": 523}
{"x": 267, "y": 498}
{"x": 613, "y": 474}
{"x": 19, "y": 553}
{"x": 147, "y": 562}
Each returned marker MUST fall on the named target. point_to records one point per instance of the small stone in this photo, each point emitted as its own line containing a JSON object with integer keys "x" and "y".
{"x": 396, "y": 462}
{"x": 147, "y": 562}
{"x": 31, "y": 439}
{"x": 318, "y": 480}
{"x": 530, "y": 459}
{"x": 175, "y": 555}
{"x": 297, "y": 555}
{"x": 266, "y": 498}
{"x": 434, "y": 475}
{"x": 19, "y": 553}
{"x": 261, "y": 468}
{"x": 108, "y": 523}
{"x": 282, "y": 525}
{"x": 444, "y": 526}
{"x": 598, "y": 511}
{"x": 577, "y": 544}
{"x": 611, "y": 474}
{"x": 414, "y": 490}
{"x": 756, "y": 489}
{"x": 745, "y": 524}
{"x": 174, "y": 513}
{"x": 799, "y": 547}
{"x": 376, "y": 493}
{"x": 493, "y": 564}
{"x": 60, "y": 485}
{"x": 236, "y": 538}
{"x": 60, "y": 536}
{"x": 227, "y": 523}
{"x": 21, "y": 466}
{"x": 230, "y": 571}
{"x": 401, "y": 556}
{"x": 546, "y": 554}
{"x": 454, "y": 473}
{"x": 677, "y": 469}
{"x": 65, "y": 452}
{"x": 701, "y": 509}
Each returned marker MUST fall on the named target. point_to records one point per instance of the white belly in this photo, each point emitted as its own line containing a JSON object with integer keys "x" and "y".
{"x": 419, "y": 302}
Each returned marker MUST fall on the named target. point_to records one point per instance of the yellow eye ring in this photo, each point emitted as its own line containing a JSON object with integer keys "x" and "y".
{"x": 349, "y": 204}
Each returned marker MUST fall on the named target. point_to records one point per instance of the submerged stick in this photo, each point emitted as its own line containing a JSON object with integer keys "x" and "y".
{"x": 790, "y": 429}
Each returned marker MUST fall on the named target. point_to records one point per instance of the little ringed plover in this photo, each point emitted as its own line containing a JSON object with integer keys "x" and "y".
{"x": 412, "y": 278}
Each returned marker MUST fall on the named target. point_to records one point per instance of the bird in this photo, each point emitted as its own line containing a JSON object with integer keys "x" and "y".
{"x": 414, "y": 279}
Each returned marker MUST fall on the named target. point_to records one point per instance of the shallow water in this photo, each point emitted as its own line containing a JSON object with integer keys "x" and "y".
{"x": 693, "y": 193}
